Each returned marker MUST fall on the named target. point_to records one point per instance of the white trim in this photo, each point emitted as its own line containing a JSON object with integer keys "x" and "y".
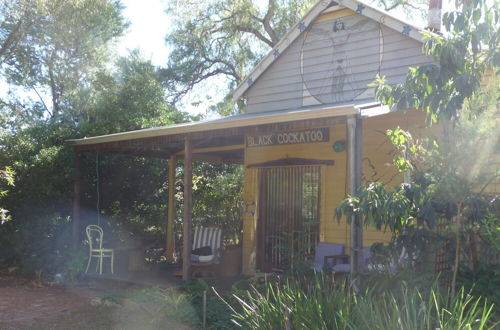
{"x": 384, "y": 18}
{"x": 372, "y": 111}
{"x": 332, "y": 9}
{"x": 376, "y": 14}
{"x": 228, "y": 122}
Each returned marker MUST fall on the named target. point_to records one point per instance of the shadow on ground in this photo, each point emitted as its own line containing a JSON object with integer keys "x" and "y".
{"x": 26, "y": 304}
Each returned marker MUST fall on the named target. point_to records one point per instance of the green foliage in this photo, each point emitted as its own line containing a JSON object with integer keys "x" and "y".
{"x": 395, "y": 281}
{"x": 158, "y": 305}
{"x": 484, "y": 281}
{"x": 409, "y": 211}
{"x": 132, "y": 190}
{"x": 59, "y": 47}
{"x": 76, "y": 261}
{"x": 469, "y": 47}
{"x": 50, "y": 49}
{"x": 218, "y": 314}
{"x": 75, "y": 265}
{"x": 218, "y": 195}
{"x": 320, "y": 303}
{"x": 183, "y": 304}
{"x": 490, "y": 229}
{"x": 127, "y": 97}
{"x": 49, "y": 243}
{"x": 460, "y": 90}
{"x": 448, "y": 178}
{"x": 417, "y": 310}
{"x": 6, "y": 179}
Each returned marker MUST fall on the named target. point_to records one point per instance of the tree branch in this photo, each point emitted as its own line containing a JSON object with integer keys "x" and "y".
{"x": 266, "y": 22}
{"x": 230, "y": 67}
{"x": 41, "y": 100}
{"x": 397, "y": 4}
{"x": 200, "y": 76}
{"x": 15, "y": 35}
{"x": 10, "y": 39}
{"x": 256, "y": 33}
{"x": 53, "y": 87}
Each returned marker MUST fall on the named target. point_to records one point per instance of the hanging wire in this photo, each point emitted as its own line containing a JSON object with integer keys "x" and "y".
{"x": 98, "y": 203}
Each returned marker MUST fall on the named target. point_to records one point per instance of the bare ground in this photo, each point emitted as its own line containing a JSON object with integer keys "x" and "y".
{"x": 29, "y": 305}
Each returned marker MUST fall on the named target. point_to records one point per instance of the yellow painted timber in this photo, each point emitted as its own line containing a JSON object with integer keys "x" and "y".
{"x": 249, "y": 221}
{"x": 334, "y": 14}
{"x": 376, "y": 148}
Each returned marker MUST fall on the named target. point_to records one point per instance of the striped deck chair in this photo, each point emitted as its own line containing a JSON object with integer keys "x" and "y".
{"x": 203, "y": 237}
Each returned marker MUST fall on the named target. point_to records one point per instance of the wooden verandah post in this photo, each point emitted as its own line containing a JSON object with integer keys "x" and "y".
{"x": 170, "y": 243}
{"x": 188, "y": 205}
{"x": 354, "y": 174}
{"x": 75, "y": 242}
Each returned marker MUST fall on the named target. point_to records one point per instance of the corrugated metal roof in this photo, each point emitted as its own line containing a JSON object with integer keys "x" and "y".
{"x": 236, "y": 121}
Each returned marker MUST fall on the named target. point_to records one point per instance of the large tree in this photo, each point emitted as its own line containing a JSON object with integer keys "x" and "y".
{"x": 51, "y": 48}
{"x": 130, "y": 190}
{"x": 48, "y": 50}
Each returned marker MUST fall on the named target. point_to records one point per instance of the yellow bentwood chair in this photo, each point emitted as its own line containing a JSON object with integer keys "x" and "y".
{"x": 95, "y": 237}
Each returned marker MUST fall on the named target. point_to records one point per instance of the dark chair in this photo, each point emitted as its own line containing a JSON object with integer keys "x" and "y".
{"x": 345, "y": 267}
{"x": 327, "y": 255}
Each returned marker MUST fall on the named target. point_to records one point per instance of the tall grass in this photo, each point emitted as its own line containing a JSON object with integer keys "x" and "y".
{"x": 318, "y": 303}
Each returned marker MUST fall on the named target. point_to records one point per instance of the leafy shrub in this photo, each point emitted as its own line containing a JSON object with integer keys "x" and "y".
{"x": 491, "y": 227}
{"x": 319, "y": 303}
{"x": 482, "y": 282}
{"x": 6, "y": 179}
{"x": 76, "y": 265}
{"x": 384, "y": 281}
{"x": 43, "y": 244}
{"x": 218, "y": 314}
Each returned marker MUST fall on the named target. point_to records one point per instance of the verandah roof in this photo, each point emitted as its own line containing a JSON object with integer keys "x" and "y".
{"x": 222, "y": 138}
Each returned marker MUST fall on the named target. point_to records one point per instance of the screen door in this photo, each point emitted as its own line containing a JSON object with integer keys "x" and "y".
{"x": 288, "y": 222}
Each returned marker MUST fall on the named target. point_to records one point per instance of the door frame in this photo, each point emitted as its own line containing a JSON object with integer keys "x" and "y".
{"x": 262, "y": 196}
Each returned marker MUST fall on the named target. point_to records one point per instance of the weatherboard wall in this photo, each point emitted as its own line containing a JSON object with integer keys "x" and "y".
{"x": 333, "y": 62}
{"x": 377, "y": 166}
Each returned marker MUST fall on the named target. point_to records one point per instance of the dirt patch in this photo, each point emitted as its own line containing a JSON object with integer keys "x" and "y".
{"x": 27, "y": 305}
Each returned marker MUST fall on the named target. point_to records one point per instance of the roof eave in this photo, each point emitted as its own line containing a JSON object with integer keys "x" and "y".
{"x": 194, "y": 127}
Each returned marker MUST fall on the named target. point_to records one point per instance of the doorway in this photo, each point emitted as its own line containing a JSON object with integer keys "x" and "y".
{"x": 288, "y": 218}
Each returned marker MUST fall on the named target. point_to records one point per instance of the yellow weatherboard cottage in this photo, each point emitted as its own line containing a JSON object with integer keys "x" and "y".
{"x": 311, "y": 134}
{"x": 330, "y": 58}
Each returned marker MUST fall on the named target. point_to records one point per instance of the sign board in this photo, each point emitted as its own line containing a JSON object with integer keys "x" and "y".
{"x": 295, "y": 137}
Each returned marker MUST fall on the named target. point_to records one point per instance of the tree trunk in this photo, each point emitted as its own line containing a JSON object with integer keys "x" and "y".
{"x": 458, "y": 223}
{"x": 473, "y": 249}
